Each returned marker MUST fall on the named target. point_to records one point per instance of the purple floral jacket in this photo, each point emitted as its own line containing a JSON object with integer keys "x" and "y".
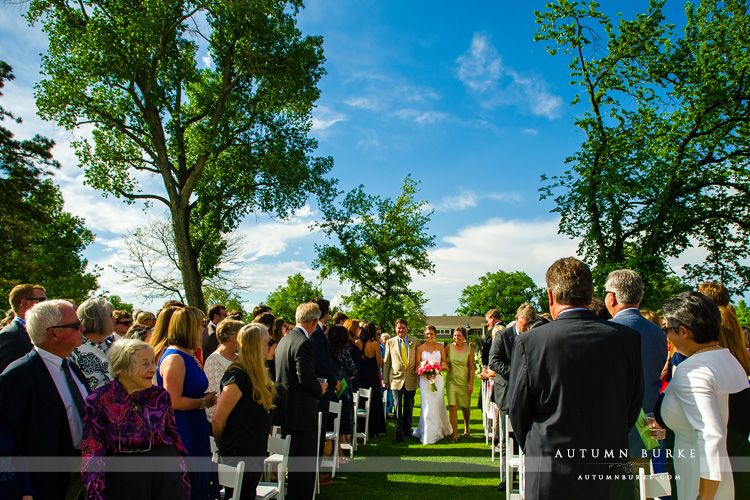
{"x": 118, "y": 423}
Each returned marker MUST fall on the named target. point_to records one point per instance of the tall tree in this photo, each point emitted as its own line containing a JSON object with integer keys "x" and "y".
{"x": 664, "y": 163}
{"x": 285, "y": 299}
{"x": 40, "y": 242}
{"x": 222, "y": 140}
{"x": 381, "y": 242}
{"x": 153, "y": 264}
{"x": 502, "y": 291}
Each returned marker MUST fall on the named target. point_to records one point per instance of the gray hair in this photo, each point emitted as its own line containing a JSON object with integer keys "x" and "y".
{"x": 626, "y": 285}
{"x": 122, "y": 354}
{"x": 93, "y": 315}
{"x": 307, "y": 312}
{"x": 42, "y": 317}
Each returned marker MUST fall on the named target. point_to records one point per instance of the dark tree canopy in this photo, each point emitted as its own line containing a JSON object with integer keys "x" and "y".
{"x": 40, "y": 242}
{"x": 381, "y": 242}
{"x": 213, "y": 143}
{"x": 666, "y": 118}
{"x": 285, "y": 299}
{"x": 502, "y": 291}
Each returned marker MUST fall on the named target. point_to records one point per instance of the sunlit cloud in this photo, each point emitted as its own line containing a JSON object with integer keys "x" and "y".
{"x": 482, "y": 70}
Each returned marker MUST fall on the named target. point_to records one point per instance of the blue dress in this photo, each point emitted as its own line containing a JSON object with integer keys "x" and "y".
{"x": 192, "y": 424}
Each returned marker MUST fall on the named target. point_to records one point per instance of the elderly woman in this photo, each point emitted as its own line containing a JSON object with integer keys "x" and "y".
{"x": 224, "y": 355}
{"x": 181, "y": 375}
{"x": 96, "y": 316}
{"x": 130, "y": 417}
{"x": 241, "y": 421}
{"x": 695, "y": 404}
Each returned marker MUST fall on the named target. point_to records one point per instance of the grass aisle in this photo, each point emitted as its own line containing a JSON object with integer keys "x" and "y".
{"x": 409, "y": 470}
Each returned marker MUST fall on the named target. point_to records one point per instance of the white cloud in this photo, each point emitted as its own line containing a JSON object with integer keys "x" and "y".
{"x": 482, "y": 70}
{"x": 505, "y": 197}
{"x": 516, "y": 245}
{"x": 530, "y": 131}
{"x": 370, "y": 103}
{"x": 324, "y": 118}
{"x": 274, "y": 237}
{"x": 207, "y": 61}
{"x": 481, "y": 66}
{"x": 469, "y": 199}
{"x": 422, "y": 117}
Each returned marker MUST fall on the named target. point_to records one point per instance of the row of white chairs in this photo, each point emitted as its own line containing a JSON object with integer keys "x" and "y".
{"x": 278, "y": 454}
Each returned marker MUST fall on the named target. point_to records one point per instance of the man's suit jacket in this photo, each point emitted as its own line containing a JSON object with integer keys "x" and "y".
{"x": 325, "y": 365}
{"x": 31, "y": 402}
{"x": 654, "y": 352}
{"x": 394, "y": 371}
{"x": 576, "y": 387}
{"x": 210, "y": 341}
{"x": 297, "y": 387}
{"x": 500, "y": 356}
{"x": 14, "y": 344}
{"x": 487, "y": 342}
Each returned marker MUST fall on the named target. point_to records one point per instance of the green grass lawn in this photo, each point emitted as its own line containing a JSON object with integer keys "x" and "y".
{"x": 409, "y": 470}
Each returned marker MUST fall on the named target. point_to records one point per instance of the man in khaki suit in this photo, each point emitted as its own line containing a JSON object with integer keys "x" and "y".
{"x": 400, "y": 376}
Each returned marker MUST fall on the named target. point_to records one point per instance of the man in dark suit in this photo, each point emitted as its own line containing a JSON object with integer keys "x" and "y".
{"x": 576, "y": 388}
{"x": 297, "y": 394}
{"x": 43, "y": 396}
{"x": 216, "y": 314}
{"x": 499, "y": 362}
{"x": 622, "y": 296}
{"x": 325, "y": 368}
{"x": 14, "y": 340}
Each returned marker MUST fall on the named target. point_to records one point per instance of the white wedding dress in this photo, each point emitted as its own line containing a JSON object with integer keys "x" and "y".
{"x": 434, "y": 423}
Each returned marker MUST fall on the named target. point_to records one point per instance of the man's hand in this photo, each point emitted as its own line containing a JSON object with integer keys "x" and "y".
{"x": 338, "y": 386}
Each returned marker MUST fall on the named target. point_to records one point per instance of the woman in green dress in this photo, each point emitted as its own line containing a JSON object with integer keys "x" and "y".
{"x": 460, "y": 380}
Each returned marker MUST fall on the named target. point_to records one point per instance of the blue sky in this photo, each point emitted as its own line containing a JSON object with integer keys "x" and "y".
{"x": 456, "y": 94}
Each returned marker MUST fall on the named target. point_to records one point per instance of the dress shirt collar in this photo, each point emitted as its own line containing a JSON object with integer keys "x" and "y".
{"x": 626, "y": 309}
{"x": 571, "y": 310}
{"x": 21, "y": 322}
{"x": 53, "y": 361}
{"x": 303, "y": 331}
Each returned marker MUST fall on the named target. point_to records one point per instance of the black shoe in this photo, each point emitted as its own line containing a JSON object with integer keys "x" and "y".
{"x": 398, "y": 439}
{"x": 501, "y": 487}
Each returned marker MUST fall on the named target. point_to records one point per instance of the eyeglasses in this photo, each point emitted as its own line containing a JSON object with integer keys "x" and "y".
{"x": 38, "y": 299}
{"x": 126, "y": 322}
{"x": 75, "y": 326}
{"x": 607, "y": 291}
{"x": 667, "y": 329}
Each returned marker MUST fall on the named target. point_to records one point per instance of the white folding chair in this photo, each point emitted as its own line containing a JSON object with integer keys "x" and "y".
{"x": 364, "y": 413}
{"x": 333, "y": 437}
{"x": 214, "y": 450}
{"x": 653, "y": 485}
{"x": 492, "y": 426}
{"x": 385, "y": 404}
{"x": 513, "y": 462}
{"x": 231, "y": 477}
{"x": 352, "y": 446}
{"x": 278, "y": 449}
{"x": 317, "y": 456}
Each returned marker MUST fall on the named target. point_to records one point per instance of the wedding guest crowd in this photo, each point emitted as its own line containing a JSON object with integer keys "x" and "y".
{"x": 89, "y": 385}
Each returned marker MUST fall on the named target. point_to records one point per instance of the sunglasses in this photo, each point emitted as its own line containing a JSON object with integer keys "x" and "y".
{"x": 75, "y": 326}
{"x": 126, "y": 322}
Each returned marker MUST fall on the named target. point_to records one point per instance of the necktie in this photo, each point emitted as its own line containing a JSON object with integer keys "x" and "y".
{"x": 404, "y": 353}
{"x": 74, "y": 390}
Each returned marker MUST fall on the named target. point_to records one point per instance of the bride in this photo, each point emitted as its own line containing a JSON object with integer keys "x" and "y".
{"x": 434, "y": 424}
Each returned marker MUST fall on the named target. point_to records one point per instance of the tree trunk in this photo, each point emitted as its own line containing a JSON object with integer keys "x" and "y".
{"x": 188, "y": 259}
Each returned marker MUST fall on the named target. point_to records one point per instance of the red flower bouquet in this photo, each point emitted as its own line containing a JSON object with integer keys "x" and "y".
{"x": 430, "y": 370}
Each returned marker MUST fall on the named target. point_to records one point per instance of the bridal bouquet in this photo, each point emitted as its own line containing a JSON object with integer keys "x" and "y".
{"x": 429, "y": 370}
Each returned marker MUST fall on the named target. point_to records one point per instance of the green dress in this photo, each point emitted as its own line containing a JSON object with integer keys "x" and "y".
{"x": 457, "y": 381}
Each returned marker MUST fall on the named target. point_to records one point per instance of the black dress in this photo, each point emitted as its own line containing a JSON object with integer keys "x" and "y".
{"x": 246, "y": 432}
{"x": 369, "y": 378}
